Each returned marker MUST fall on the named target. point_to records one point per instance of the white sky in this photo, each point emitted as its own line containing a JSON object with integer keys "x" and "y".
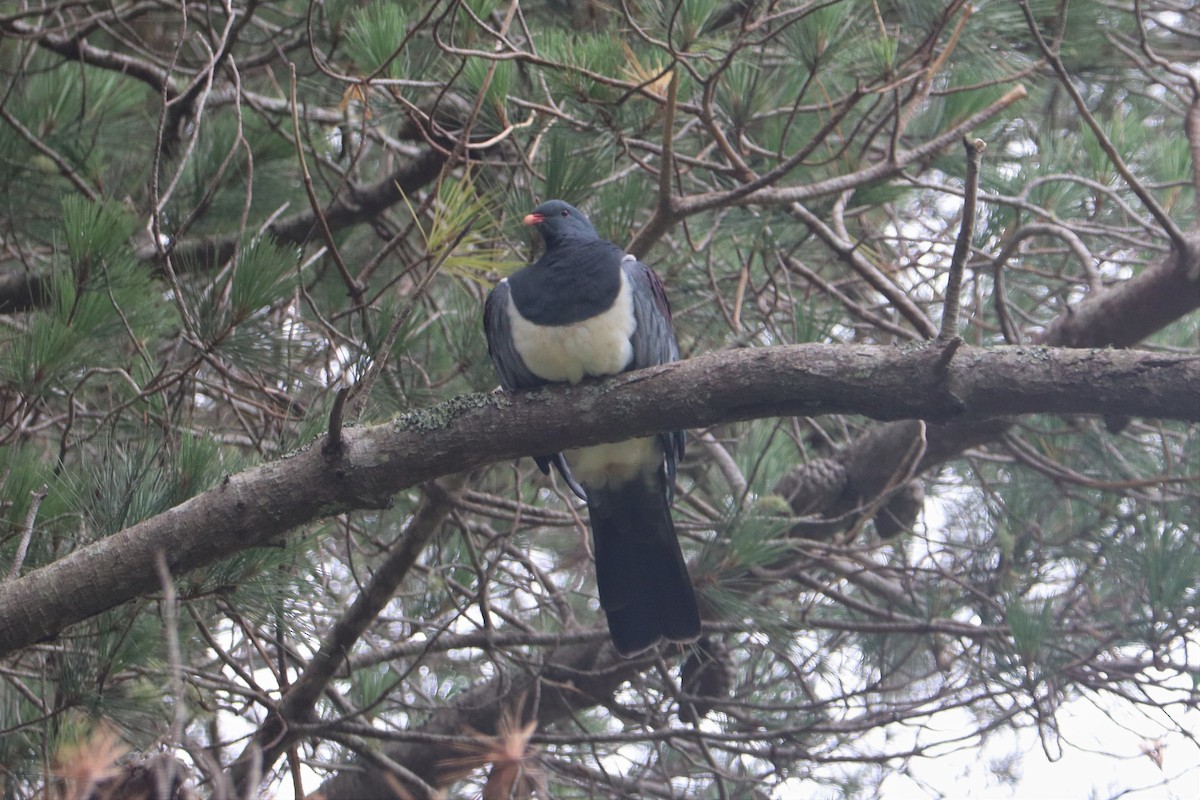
{"x": 1101, "y": 758}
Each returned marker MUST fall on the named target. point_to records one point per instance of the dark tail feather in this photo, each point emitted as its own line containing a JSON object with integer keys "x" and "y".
{"x": 644, "y": 586}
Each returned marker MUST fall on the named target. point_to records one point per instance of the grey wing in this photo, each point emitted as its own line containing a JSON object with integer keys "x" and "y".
{"x": 654, "y": 342}
{"x": 497, "y": 328}
{"x": 654, "y": 339}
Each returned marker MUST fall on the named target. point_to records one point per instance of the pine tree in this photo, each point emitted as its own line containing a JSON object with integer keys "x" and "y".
{"x": 258, "y": 517}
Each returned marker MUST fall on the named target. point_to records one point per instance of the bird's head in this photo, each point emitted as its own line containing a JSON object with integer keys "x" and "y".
{"x": 558, "y": 221}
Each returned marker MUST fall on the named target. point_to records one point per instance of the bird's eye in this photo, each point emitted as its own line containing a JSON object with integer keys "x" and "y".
{"x": 566, "y": 213}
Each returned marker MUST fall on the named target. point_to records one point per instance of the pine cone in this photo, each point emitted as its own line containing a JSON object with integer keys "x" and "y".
{"x": 900, "y": 511}
{"x": 814, "y": 486}
{"x": 707, "y": 675}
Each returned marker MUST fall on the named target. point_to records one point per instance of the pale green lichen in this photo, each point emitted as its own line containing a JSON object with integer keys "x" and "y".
{"x": 440, "y": 416}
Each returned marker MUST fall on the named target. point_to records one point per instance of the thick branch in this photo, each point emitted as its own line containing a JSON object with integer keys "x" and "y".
{"x": 1126, "y": 314}
{"x": 361, "y": 204}
{"x": 253, "y": 507}
{"x": 78, "y": 48}
{"x": 837, "y": 489}
{"x": 24, "y": 291}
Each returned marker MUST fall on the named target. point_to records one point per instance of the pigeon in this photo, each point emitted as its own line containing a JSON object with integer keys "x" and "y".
{"x": 586, "y": 309}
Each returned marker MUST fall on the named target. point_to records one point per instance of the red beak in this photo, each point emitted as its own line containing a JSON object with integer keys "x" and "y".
{"x": 533, "y": 219}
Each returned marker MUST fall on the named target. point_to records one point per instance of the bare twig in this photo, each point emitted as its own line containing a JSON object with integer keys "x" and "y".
{"x": 857, "y": 309}
{"x": 1008, "y": 328}
{"x": 852, "y": 256}
{"x": 1068, "y": 236}
{"x": 333, "y": 436}
{"x": 1192, "y": 128}
{"x": 352, "y": 286}
{"x": 1173, "y": 231}
{"x": 962, "y": 246}
{"x": 64, "y": 167}
{"x": 666, "y": 168}
{"x": 27, "y": 532}
{"x": 275, "y": 736}
{"x": 362, "y": 390}
{"x": 781, "y": 196}
{"x": 165, "y": 777}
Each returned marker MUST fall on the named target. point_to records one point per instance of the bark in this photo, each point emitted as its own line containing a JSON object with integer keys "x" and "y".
{"x": 1125, "y": 315}
{"x": 882, "y": 459}
{"x": 254, "y": 507}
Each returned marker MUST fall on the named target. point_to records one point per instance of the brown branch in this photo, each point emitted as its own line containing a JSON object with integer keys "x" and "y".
{"x": 666, "y": 169}
{"x": 254, "y": 507}
{"x": 849, "y": 253}
{"x": 1123, "y": 315}
{"x": 1191, "y": 127}
{"x": 569, "y": 678}
{"x": 332, "y": 448}
{"x": 1068, "y": 237}
{"x": 35, "y": 503}
{"x": 962, "y": 245}
{"x": 868, "y": 175}
{"x": 360, "y": 204}
{"x": 684, "y": 207}
{"x": 64, "y": 166}
{"x": 352, "y": 288}
{"x": 364, "y": 203}
{"x": 852, "y": 306}
{"x": 1120, "y": 316}
{"x": 78, "y": 48}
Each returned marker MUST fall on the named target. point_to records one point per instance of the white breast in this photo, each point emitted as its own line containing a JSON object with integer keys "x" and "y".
{"x": 611, "y": 465}
{"x": 568, "y": 353}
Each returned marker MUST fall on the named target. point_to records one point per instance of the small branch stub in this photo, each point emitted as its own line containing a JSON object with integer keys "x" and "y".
{"x": 332, "y": 448}
{"x": 35, "y": 504}
{"x": 962, "y": 246}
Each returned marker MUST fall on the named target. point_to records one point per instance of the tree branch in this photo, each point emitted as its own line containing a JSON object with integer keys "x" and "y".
{"x": 865, "y": 470}
{"x": 1124, "y": 315}
{"x": 359, "y": 205}
{"x": 752, "y": 192}
{"x": 1110, "y": 151}
{"x": 25, "y": 291}
{"x": 254, "y": 507}
{"x": 78, "y": 48}
{"x": 880, "y": 171}
{"x": 568, "y": 678}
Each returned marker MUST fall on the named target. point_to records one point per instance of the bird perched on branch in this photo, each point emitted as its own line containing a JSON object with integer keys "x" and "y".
{"x": 588, "y": 309}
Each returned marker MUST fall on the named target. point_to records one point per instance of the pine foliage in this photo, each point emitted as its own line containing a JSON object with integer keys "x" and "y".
{"x": 216, "y": 218}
